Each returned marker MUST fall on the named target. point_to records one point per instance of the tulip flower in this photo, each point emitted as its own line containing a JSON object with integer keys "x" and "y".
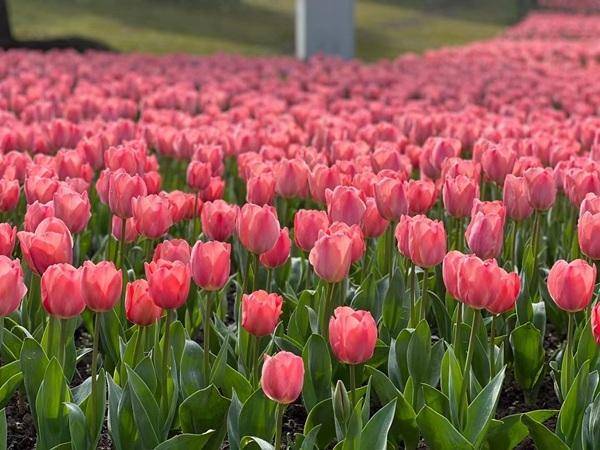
{"x": 516, "y": 198}
{"x": 12, "y": 286}
{"x": 72, "y": 208}
{"x": 123, "y": 188}
{"x": 307, "y": 225}
{"x": 130, "y": 233}
{"x": 101, "y": 285}
{"x": 450, "y": 270}
{"x": 169, "y": 282}
{"x": 279, "y": 254}
{"x": 374, "y": 225}
{"x": 352, "y": 335}
{"x": 353, "y": 232}
{"x": 345, "y": 204}
{"x": 152, "y": 214}
{"x": 282, "y": 380}
{"x": 497, "y": 162}
{"x": 140, "y": 308}
{"x": 571, "y": 285}
{"x": 458, "y": 195}
{"x": 542, "y": 189}
{"x": 40, "y": 189}
{"x": 9, "y": 194}
{"x": 257, "y": 228}
{"x": 390, "y": 196}
{"x": 198, "y": 175}
{"x": 210, "y": 264}
{"x": 426, "y": 241}
{"x": 485, "y": 234}
{"x": 35, "y": 213}
{"x": 8, "y": 235}
{"x": 62, "y": 295}
{"x": 322, "y": 178}
{"x": 173, "y": 250}
{"x": 291, "y": 178}
{"x": 421, "y": 195}
{"x": 595, "y": 319}
{"x": 51, "y": 243}
{"x": 331, "y": 256}
{"x": 219, "y": 219}
{"x": 260, "y": 189}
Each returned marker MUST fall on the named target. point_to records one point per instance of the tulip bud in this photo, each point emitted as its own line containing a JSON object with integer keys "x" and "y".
{"x": 210, "y": 262}
{"x": 515, "y": 195}
{"x": 152, "y": 214}
{"x": 101, "y": 285}
{"x": 173, "y": 250}
{"x": 342, "y": 408}
{"x": 571, "y": 285}
{"x": 261, "y": 312}
{"x": 12, "y": 287}
{"x": 169, "y": 282}
{"x": 485, "y": 234}
{"x": 331, "y": 256}
{"x": 390, "y": 196}
{"x": 123, "y": 188}
{"x": 257, "y": 228}
{"x": 9, "y": 194}
{"x": 218, "y": 219}
{"x": 260, "y": 189}
{"x": 139, "y": 306}
{"x": 426, "y": 241}
{"x": 352, "y": 335}
{"x": 458, "y": 195}
{"x": 61, "y": 291}
{"x": 542, "y": 189}
{"x": 279, "y": 254}
{"x": 8, "y": 235}
{"x": 282, "y": 377}
{"x": 50, "y": 244}
{"x": 345, "y": 204}
{"x": 72, "y": 208}
{"x": 421, "y": 196}
{"x": 307, "y": 225}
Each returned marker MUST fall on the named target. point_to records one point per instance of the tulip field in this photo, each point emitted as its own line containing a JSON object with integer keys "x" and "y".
{"x": 227, "y": 252}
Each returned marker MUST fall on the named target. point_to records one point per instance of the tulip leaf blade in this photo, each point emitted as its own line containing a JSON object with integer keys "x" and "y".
{"x": 317, "y": 371}
{"x": 508, "y": 432}
{"x": 321, "y": 416}
{"x": 439, "y": 433}
{"x": 253, "y": 442}
{"x": 33, "y": 365}
{"x": 377, "y": 428}
{"x": 528, "y": 351}
{"x": 146, "y": 410}
{"x": 257, "y": 417}
{"x": 77, "y": 426}
{"x": 185, "y": 441}
{"x": 544, "y": 438}
{"x": 3, "y": 430}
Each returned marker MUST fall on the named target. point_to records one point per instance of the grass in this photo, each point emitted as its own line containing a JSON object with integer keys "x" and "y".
{"x": 385, "y": 28}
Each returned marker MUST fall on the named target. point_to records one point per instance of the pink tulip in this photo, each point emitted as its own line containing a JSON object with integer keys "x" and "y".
{"x": 101, "y": 285}
{"x": 571, "y": 285}
{"x": 173, "y": 250}
{"x": 152, "y": 214}
{"x": 51, "y": 243}
{"x": 345, "y": 204}
{"x": 595, "y": 319}
{"x": 458, "y": 195}
{"x": 497, "y": 161}
{"x": 210, "y": 263}
{"x": 390, "y": 196}
{"x": 260, "y": 189}
{"x": 123, "y": 188}
{"x": 169, "y": 282}
{"x": 9, "y": 194}
{"x": 257, "y": 228}
{"x": 261, "y": 312}
{"x": 40, "y": 189}
{"x": 374, "y": 225}
{"x": 542, "y": 189}
{"x": 322, "y": 178}
{"x": 307, "y": 225}
{"x": 218, "y": 219}
{"x": 279, "y": 253}
{"x": 355, "y": 234}
{"x": 331, "y": 256}
{"x": 282, "y": 377}
{"x": 450, "y": 271}
{"x": 352, "y": 335}
{"x": 72, "y": 208}
{"x": 515, "y": 195}
{"x": 8, "y": 235}
{"x": 426, "y": 241}
{"x": 131, "y": 232}
{"x": 291, "y": 178}
{"x": 62, "y": 296}
{"x": 139, "y": 306}
{"x": 421, "y": 196}
{"x": 12, "y": 286}
{"x": 198, "y": 175}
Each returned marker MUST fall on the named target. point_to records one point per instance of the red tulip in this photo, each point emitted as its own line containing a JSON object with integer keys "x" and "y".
{"x": 515, "y": 195}
{"x": 123, "y": 188}
{"x": 595, "y": 318}
{"x": 198, "y": 175}
{"x": 173, "y": 250}
{"x": 131, "y": 232}
{"x": 458, "y": 195}
{"x": 51, "y": 243}
{"x": 374, "y": 225}
{"x": 261, "y": 312}
{"x": 279, "y": 254}
{"x": 307, "y": 225}
{"x": 291, "y": 178}
{"x": 152, "y": 214}
{"x": 282, "y": 377}
{"x": 8, "y": 235}
{"x": 390, "y": 196}
{"x": 210, "y": 262}
{"x": 218, "y": 219}
{"x": 61, "y": 291}
{"x": 571, "y": 285}
{"x": 257, "y": 228}
{"x": 72, "y": 208}
{"x": 426, "y": 241}
{"x": 542, "y": 189}
{"x": 352, "y": 335}
{"x": 169, "y": 282}
{"x": 12, "y": 287}
{"x": 260, "y": 189}
{"x": 9, "y": 194}
{"x": 345, "y": 204}
{"x": 331, "y": 256}
{"x": 101, "y": 285}
{"x": 421, "y": 196}
{"x": 139, "y": 306}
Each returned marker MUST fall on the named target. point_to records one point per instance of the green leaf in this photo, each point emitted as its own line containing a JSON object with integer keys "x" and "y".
{"x": 3, "y": 431}
{"x": 257, "y": 417}
{"x": 436, "y": 400}
{"x": 204, "y": 410}
{"x": 528, "y": 352}
{"x": 317, "y": 371}
{"x": 310, "y": 440}
{"x": 114, "y": 398}
{"x": 353, "y": 436}
{"x": 544, "y": 438}
{"x": 146, "y": 410}
{"x": 191, "y": 378}
{"x": 395, "y": 308}
{"x": 52, "y": 414}
{"x": 321, "y": 416}
{"x": 77, "y": 427}
{"x": 376, "y": 430}
{"x": 186, "y": 441}
{"x": 233, "y": 418}
{"x": 508, "y": 432}
{"x": 419, "y": 353}
{"x": 11, "y": 384}
{"x": 439, "y": 433}
{"x": 33, "y": 365}
{"x": 481, "y": 411}
{"x": 250, "y": 441}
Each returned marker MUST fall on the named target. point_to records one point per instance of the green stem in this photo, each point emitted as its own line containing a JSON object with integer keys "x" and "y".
{"x": 279, "y": 429}
{"x": 352, "y": 368}
{"x": 391, "y": 253}
{"x": 195, "y": 228}
{"x": 513, "y": 258}
{"x": 206, "y": 329}
{"x": 569, "y": 350}
{"x": 254, "y": 272}
{"x": 269, "y": 279}
{"x": 253, "y": 360}
{"x": 536, "y": 239}
{"x": 424, "y": 295}
{"x": 97, "y": 317}
{"x": 467, "y": 369}
{"x": 140, "y": 342}
{"x": 166, "y": 352}
{"x": 493, "y": 347}
{"x": 326, "y": 309}
{"x": 413, "y": 294}
{"x": 62, "y": 353}
{"x": 459, "y": 320}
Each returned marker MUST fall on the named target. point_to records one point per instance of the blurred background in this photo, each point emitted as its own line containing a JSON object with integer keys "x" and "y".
{"x": 384, "y": 28}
